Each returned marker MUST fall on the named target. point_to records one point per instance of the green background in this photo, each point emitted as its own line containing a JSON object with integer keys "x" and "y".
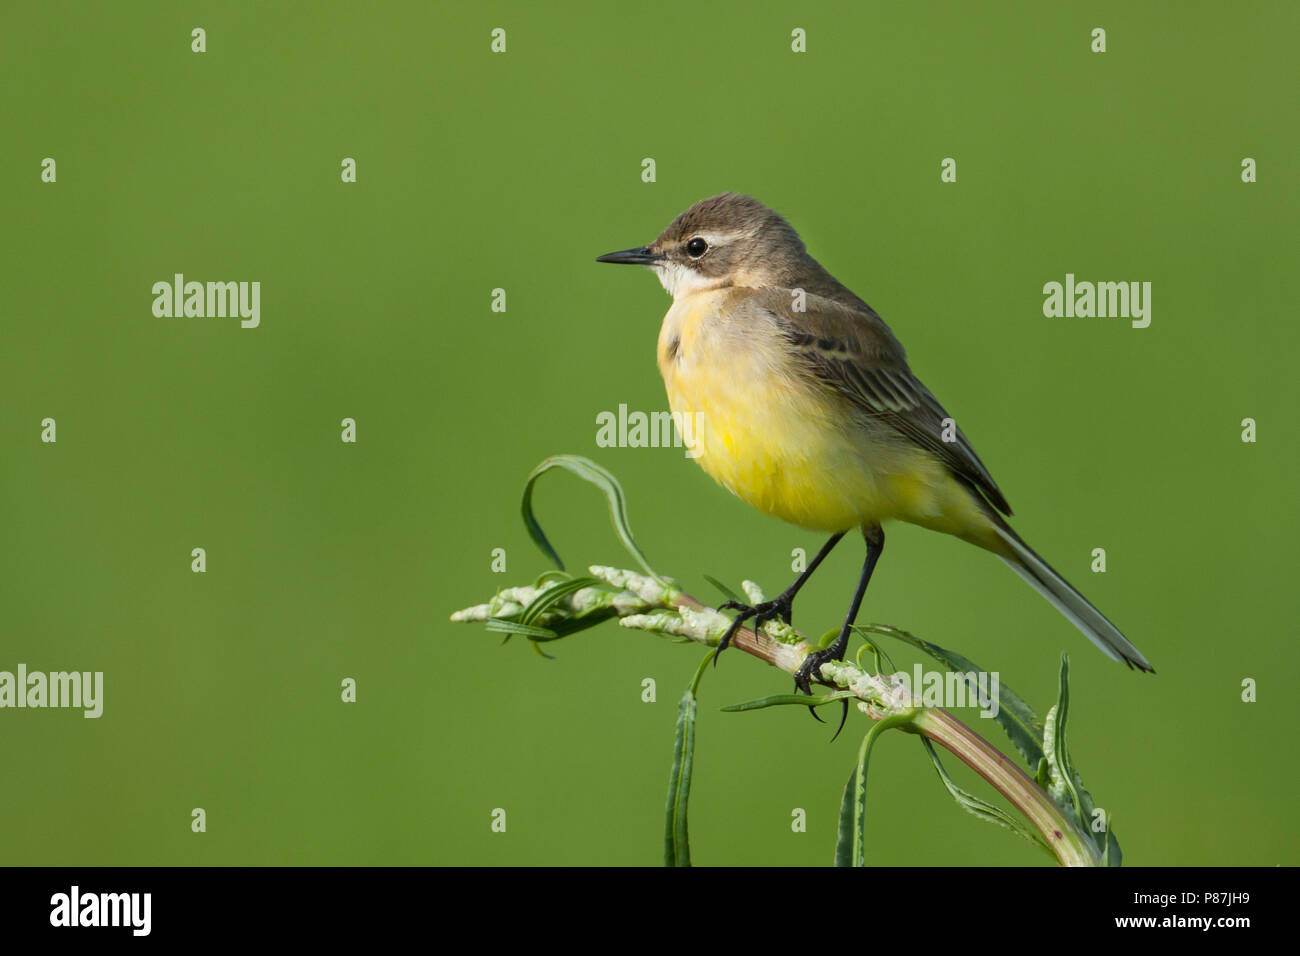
{"x": 476, "y": 171}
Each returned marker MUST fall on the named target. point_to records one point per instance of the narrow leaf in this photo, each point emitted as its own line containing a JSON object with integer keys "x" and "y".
{"x": 591, "y": 472}
{"x": 982, "y": 809}
{"x": 1111, "y": 856}
{"x": 851, "y": 842}
{"x": 1066, "y": 786}
{"x": 725, "y": 591}
{"x": 1060, "y": 776}
{"x": 776, "y": 700}
{"x": 1018, "y": 720}
{"x": 844, "y": 833}
{"x": 553, "y": 595}
{"x": 523, "y": 630}
{"x": 546, "y": 577}
{"x": 677, "y": 845}
{"x": 557, "y": 629}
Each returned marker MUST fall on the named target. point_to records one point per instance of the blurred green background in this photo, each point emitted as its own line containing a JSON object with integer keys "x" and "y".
{"x": 477, "y": 171}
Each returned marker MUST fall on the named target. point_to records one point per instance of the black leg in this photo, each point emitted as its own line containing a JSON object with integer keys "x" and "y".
{"x": 781, "y": 606}
{"x": 811, "y": 668}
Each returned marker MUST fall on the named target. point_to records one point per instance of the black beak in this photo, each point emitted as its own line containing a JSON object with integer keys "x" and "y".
{"x": 633, "y": 257}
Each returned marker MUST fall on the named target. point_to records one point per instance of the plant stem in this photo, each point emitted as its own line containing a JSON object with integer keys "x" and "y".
{"x": 1071, "y": 847}
{"x": 639, "y": 601}
{"x": 786, "y": 657}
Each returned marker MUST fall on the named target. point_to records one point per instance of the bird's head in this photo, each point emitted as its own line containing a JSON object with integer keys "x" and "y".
{"x": 726, "y": 240}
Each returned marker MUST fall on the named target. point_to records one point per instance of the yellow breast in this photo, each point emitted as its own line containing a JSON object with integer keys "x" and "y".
{"x": 785, "y": 445}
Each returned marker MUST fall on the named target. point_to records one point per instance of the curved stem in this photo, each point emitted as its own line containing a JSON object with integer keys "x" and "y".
{"x": 1071, "y": 847}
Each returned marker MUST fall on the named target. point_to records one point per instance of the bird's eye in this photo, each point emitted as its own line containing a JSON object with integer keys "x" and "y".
{"x": 696, "y": 247}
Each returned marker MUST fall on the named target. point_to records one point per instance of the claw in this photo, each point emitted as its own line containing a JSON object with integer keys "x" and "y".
{"x": 803, "y": 676}
{"x": 801, "y": 685}
{"x": 745, "y": 614}
{"x": 844, "y": 715}
{"x": 761, "y": 613}
{"x": 803, "y": 682}
{"x": 844, "y": 708}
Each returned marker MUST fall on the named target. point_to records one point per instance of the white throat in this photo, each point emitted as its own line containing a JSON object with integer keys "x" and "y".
{"x": 681, "y": 281}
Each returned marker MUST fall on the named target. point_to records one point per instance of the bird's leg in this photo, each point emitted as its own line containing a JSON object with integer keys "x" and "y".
{"x": 781, "y": 606}
{"x": 811, "y": 668}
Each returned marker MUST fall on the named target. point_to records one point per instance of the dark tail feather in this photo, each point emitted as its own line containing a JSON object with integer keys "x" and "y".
{"x": 1026, "y": 563}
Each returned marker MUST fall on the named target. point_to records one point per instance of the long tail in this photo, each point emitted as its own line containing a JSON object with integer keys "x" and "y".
{"x": 1026, "y": 563}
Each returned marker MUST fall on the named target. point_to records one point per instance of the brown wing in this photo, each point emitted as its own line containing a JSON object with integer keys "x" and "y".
{"x": 854, "y": 353}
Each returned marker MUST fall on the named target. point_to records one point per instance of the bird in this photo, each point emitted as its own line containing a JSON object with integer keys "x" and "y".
{"x": 812, "y": 414}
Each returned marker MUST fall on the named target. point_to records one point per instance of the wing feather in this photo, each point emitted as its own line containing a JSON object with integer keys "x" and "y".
{"x": 854, "y": 353}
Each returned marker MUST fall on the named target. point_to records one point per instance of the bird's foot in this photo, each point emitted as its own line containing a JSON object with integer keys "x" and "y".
{"x": 811, "y": 669}
{"x": 781, "y": 606}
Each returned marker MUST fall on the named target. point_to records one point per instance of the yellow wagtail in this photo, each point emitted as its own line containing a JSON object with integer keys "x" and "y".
{"x": 812, "y": 414}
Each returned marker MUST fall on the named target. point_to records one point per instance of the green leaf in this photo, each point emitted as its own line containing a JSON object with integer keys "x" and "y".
{"x": 777, "y": 700}
{"x": 725, "y": 591}
{"x": 677, "y": 844}
{"x": 1056, "y": 746}
{"x": 526, "y": 625}
{"x": 523, "y": 630}
{"x": 1042, "y": 774}
{"x": 1017, "y": 719}
{"x": 1111, "y": 856}
{"x": 591, "y": 472}
{"x": 556, "y": 630}
{"x": 1064, "y": 783}
{"x": 877, "y": 653}
{"x": 851, "y": 842}
{"x": 982, "y": 809}
{"x": 844, "y": 835}
{"x": 546, "y": 577}
{"x": 553, "y": 595}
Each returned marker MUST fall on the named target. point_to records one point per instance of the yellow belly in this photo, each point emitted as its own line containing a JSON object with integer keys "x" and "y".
{"x": 788, "y": 447}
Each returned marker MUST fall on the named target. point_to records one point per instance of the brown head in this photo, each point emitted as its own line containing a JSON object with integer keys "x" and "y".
{"x": 732, "y": 240}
